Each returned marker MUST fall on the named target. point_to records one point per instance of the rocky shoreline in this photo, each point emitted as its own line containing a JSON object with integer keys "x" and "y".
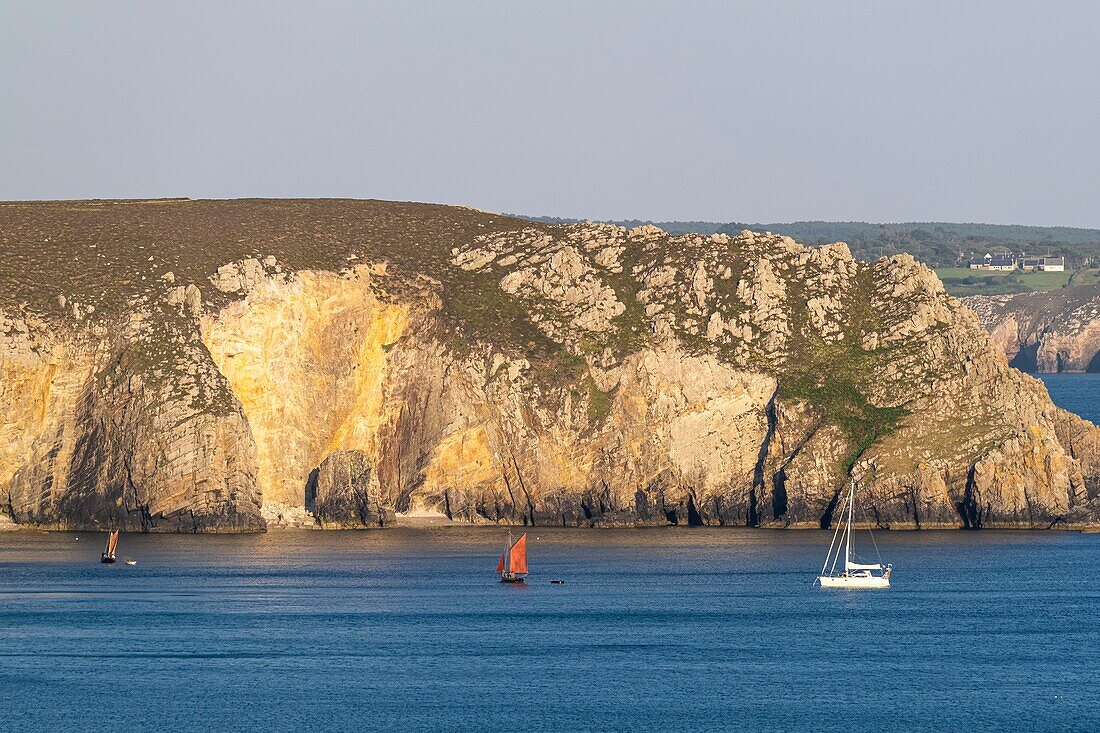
{"x": 235, "y": 366}
{"x": 1047, "y": 333}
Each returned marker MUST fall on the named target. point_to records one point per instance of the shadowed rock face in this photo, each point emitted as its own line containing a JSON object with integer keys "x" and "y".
{"x": 1052, "y": 332}
{"x": 234, "y": 364}
{"x": 348, "y": 494}
{"x": 120, "y": 437}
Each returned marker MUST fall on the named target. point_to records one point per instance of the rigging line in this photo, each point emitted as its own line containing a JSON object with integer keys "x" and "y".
{"x": 832, "y": 549}
{"x": 829, "y": 555}
{"x": 836, "y": 534}
{"x": 865, "y": 519}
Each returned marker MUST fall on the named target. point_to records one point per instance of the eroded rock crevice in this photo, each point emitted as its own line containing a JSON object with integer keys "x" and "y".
{"x": 488, "y": 370}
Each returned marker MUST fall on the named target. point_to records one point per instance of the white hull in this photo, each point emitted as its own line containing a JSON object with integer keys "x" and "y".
{"x": 853, "y": 582}
{"x": 854, "y": 574}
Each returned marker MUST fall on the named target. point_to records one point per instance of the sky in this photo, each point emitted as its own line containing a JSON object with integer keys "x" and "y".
{"x": 718, "y": 111}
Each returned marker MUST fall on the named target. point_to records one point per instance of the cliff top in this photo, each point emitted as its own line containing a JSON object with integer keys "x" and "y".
{"x": 570, "y": 298}
{"x": 331, "y": 325}
{"x": 1036, "y": 306}
{"x": 108, "y": 254}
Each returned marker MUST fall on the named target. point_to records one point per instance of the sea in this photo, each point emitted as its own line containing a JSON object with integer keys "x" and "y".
{"x": 659, "y": 629}
{"x": 1078, "y": 393}
{"x": 670, "y": 629}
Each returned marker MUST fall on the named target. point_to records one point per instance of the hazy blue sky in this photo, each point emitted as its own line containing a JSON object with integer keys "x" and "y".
{"x": 769, "y": 111}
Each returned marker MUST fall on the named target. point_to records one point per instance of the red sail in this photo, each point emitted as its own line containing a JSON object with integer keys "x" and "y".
{"x": 519, "y": 556}
{"x": 500, "y": 565}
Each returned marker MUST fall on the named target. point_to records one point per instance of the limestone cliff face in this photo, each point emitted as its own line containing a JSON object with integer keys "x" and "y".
{"x": 1057, "y": 331}
{"x": 343, "y": 364}
{"x": 106, "y": 436}
{"x": 305, "y": 357}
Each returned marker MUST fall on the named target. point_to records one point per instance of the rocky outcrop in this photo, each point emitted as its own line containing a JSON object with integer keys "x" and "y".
{"x": 341, "y": 364}
{"x": 1056, "y": 331}
{"x": 139, "y": 433}
{"x": 345, "y": 492}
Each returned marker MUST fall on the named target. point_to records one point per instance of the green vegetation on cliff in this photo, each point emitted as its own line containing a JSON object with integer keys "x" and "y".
{"x": 941, "y": 245}
{"x": 962, "y": 282}
{"x": 220, "y": 353}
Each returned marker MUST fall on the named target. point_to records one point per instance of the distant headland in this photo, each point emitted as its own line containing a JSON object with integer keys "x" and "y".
{"x": 239, "y": 365}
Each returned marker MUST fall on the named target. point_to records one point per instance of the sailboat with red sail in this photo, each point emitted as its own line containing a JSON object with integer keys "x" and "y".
{"x": 513, "y": 563}
{"x": 108, "y": 555}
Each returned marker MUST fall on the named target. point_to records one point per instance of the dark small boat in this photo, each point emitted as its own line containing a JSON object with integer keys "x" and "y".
{"x": 513, "y": 563}
{"x": 108, "y": 555}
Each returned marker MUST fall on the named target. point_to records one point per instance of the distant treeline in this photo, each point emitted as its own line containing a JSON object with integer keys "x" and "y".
{"x": 939, "y": 244}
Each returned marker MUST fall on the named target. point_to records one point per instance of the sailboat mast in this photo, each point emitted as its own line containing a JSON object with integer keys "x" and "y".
{"x": 508, "y": 554}
{"x": 833, "y": 545}
{"x": 848, "y": 550}
{"x": 842, "y": 533}
{"x": 851, "y": 510}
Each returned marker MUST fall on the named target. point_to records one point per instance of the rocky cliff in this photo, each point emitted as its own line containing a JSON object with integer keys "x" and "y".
{"x": 234, "y": 365}
{"x": 1057, "y": 331}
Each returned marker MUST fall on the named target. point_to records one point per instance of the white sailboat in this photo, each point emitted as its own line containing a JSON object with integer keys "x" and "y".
{"x": 852, "y": 574}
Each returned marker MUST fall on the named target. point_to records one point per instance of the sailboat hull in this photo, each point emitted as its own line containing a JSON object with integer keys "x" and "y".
{"x": 106, "y": 560}
{"x": 854, "y": 574}
{"x": 510, "y": 578}
{"x": 854, "y": 582}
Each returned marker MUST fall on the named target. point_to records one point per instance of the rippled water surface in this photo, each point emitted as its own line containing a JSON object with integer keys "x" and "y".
{"x": 662, "y": 629}
{"x": 1078, "y": 393}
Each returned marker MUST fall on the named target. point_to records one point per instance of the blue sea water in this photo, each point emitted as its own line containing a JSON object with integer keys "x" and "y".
{"x": 655, "y": 629}
{"x": 1079, "y": 393}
